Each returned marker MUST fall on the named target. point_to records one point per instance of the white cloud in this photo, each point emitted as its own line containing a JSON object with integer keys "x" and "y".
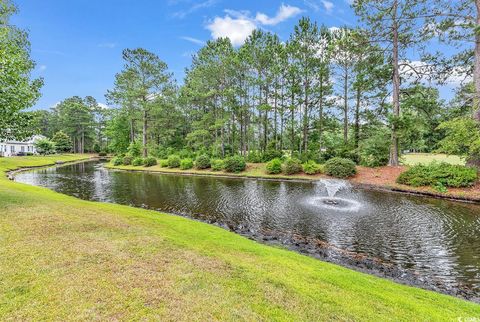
{"x": 103, "y": 106}
{"x": 193, "y": 40}
{"x": 328, "y": 5}
{"x": 237, "y": 29}
{"x": 183, "y": 13}
{"x": 42, "y": 68}
{"x": 283, "y": 13}
{"x": 238, "y": 25}
{"x": 107, "y": 45}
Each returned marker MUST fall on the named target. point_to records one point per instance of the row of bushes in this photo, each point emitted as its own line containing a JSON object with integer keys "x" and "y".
{"x": 130, "y": 160}
{"x": 439, "y": 175}
{"x": 336, "y": 167}
{"x": 230, "y": 164}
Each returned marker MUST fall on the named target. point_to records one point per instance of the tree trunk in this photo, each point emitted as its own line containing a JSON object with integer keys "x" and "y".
{"x": 357, "y": 119}
{"x": 320, "y": 117}
{"x": 144, "y": 134}
{"x": 476, "y": 72}
{"x": 345, "y": 107}
{"x": 396, "y": 90}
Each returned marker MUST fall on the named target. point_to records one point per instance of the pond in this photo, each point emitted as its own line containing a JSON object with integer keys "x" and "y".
{"x": 420, "y": 240}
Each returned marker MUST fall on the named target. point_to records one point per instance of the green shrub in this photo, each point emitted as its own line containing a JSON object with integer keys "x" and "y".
{"x": 292, "y": 166}
{"x": 127, "y": 160}
{"x": 202, "y": 162}
{"x": 373, "y": 151}
{"x": 271, "y": 154}
{"x": 164, "y": 163}
{"x": 254, "y": 157}
{"x": 438, "y": 174}
{"x": 134, "y": 149}
{"x": 116, "y": 161}
{"x": 137, "y": 162}
{"x": 274, "y": 166}
{"x": 235, "y": 164}
{"x": 217, "y": 164}
{"x": 102, "y": 154}
{"x": 173, "y": 161}
{"x": 186, "y": 164}
{"x": 149, "y": 161}
{"x": 311, "y": 167}
{"x": 340, "y": 167}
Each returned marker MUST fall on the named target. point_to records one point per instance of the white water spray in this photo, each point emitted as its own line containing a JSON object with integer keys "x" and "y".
{"x": 335, "y": 185}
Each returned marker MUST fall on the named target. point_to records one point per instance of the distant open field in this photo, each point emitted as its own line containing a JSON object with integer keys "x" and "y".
{"x": 425, "y": 158}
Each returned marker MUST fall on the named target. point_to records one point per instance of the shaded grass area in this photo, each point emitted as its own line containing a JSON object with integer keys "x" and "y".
{"x": 67, "y": 259}
{"x": 426, "y": 158}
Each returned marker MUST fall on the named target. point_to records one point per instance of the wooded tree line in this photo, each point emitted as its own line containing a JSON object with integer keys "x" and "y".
{"x": 352, "y": 92}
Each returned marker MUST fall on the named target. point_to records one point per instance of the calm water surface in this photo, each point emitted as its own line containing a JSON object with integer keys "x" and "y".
{"x": 437, "y": 239}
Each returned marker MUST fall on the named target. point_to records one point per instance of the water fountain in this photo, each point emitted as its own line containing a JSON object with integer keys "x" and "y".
{"x": 333, "y": 186}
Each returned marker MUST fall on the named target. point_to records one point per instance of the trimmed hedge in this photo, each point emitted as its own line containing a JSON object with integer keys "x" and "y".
{"x": 186, "y": 164}
{"x": 217, "y": 164}
{"x": 311, "y": 167}
{"x": 340, "y": 167}
{"x": 234, "y": 164}
{"x": 173, "y": 161}
{"x": 202, "y": 162}
{"x": 438, "y": 174}
{"x": 292, "y": 166}
{"x": 274, "y": 166}
{"x": 149, "y": 161}
{"x": 137, "y": 162}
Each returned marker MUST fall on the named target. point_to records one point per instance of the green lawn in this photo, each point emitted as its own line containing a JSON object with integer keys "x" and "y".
{"x": 62, "y": 258}
{"x": 425, "y": 158}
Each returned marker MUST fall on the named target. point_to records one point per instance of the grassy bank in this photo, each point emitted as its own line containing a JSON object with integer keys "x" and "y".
{"x": 426, "y": 158}
{"x": 66, "y": 259}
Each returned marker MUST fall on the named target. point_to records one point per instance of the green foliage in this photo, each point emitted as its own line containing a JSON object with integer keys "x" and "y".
{"x": 62, "y": 142}
{"x": 127, "y": 160}
{"x": 271, "y": 154}
{"x": 138, "y": 161}
{"x": 173, "y": 161}
{"x": 292, "y": 166}
{"x": 44, "y": 146}
{"x": 340, "y": 167}
{"x": 438, "y": 173}
{"x": 202, "y": 162}
{"x": 164, "y": 163}
{"x": 116, "y": 161}
{"x": 150, "y": 161}
{"x": 311, "y": 167}
{"x": 235, "y": 164}
{"x": 254, "y": 157}
{"x": 135, "y": 149}
{"x": 186, "y": 164}
{"x": 217, "y": 164}
{"x": 274, "y": 166}
{"x": 374, "y": 152}
{"x": 102, "y": 154}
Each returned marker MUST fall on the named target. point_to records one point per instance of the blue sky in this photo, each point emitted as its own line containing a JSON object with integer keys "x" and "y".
{"x": 77, "y": 44}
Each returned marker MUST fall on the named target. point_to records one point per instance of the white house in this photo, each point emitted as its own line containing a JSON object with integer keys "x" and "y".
{"x": 11, "y": 148}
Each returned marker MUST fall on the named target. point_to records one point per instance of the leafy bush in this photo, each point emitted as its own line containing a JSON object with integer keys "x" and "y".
{"x": 137, "y": 162}
{"x": 217, "y": 164}
{"x": 438, "y": 174}
{"x": 202, "y": 162}
{"x": 254, "y": 157}
{"x": 62, "y": 142}
{"x": 102, "y": 154}
{"x": 292, "y": 166}
{"x": 274, "y": 166}
{"x": 149, "y": 161}
{"x": 311, "y": 167}
{"x": 164, "y": 163}
{"x": 340, "y": 167}
{"x": 271, "y": 154}
{"x": 373, "y": 151}
{"x": 45, "y": 146}
{"x": 134, "y": 149}
{"x": 116, "y": 161}
{"x": 235, "y": 164}
{"x": 173, "y": 161}
{"x": 127, "y": 160}
{"x": 186, "y": 164}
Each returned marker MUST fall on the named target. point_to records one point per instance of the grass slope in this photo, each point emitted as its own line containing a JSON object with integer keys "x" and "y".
{"x": 66, "y": 259}
{"x": 426, "y": 158}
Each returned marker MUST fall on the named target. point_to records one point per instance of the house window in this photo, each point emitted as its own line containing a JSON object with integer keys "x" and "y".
{"x": 22, "y": 148}
{"x": 12, "y": 148}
